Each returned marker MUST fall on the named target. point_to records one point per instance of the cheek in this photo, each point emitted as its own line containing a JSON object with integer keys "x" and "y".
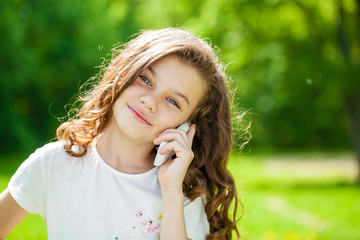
{"x": 129, "y": 92}
{"x": 171, "y": 120}
{"x": 116, "y": 111}
{"x": 120, "y": 104}
{"x": 165, "y": 119}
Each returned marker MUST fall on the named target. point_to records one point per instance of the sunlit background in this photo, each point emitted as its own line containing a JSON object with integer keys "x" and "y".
{"x": 294, "y": 64}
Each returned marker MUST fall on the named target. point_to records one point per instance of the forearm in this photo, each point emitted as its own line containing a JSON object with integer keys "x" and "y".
{"x": 173, "y": 223}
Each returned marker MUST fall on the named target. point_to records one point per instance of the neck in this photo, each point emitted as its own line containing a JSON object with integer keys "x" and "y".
{"x": 123, "y": 153}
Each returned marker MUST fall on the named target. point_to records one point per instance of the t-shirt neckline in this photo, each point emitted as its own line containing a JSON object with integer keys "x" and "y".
{"x": 98, "y": 158}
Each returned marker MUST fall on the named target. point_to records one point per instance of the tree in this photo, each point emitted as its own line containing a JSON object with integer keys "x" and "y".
{"x": 349, "y": 43}
{"x": 295, "y": 63}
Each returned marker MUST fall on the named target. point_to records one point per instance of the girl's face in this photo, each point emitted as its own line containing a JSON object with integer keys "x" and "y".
{"x": 163, "y": 96}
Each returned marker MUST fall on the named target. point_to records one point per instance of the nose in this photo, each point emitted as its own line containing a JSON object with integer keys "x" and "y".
{"x": 148, "y": 102}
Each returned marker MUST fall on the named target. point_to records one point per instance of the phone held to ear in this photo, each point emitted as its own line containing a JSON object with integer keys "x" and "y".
{"x": 160, "y": 159}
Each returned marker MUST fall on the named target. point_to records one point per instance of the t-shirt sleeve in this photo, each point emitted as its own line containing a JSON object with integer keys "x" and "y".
{"x": 27, "y": 185}
{"x": 197, "y": 225}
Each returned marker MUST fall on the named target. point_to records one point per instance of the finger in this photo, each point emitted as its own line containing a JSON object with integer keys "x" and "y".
{"x": 169, "y": 130}
{"x": 178, "y": 135}
{"x": 173, "y": 146}
{"x": 182, "y": 152}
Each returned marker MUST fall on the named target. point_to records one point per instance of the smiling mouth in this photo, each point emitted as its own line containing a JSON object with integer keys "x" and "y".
{"x": 138, "y": 116}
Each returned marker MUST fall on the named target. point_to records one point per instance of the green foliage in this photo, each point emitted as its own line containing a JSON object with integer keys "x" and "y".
{"x": 288, "y": 59}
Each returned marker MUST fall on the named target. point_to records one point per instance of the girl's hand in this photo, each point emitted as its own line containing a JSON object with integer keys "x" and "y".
{"x": 172, "y": 172}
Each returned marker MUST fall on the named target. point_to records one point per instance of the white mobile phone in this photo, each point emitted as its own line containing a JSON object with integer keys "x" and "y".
{"x": 160, "y": 159}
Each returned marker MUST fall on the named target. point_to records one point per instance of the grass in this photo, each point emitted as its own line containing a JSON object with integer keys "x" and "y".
{"x": 298, "y": 196}
{"x": 287, "y": 197}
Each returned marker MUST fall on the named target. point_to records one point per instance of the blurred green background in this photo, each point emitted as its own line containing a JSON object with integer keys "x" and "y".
{"x": 295, "y": 66}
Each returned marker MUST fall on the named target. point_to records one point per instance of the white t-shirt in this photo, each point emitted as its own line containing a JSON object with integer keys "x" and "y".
{"x": 84, "y": 198}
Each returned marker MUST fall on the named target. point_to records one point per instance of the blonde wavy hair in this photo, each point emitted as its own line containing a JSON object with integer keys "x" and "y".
{"x": 208, "y": 174}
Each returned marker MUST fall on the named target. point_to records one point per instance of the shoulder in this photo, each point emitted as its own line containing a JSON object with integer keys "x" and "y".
{"x": 195, "y": 206}
{"x": 52, "y": 147}
{"x": 198, "y": 202}
{"x": 47, "y": 155}
{"x": 51, "y": 163}
{"x": 197, "y": 225}
{"x": 52, "y": 150}
{"x": 29, "y": 185}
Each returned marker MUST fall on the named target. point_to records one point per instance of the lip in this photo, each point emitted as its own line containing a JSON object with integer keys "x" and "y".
{"x": 138, "y": 115}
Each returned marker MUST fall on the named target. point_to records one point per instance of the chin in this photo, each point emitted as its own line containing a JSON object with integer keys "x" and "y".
{"x": 132, "y": 130}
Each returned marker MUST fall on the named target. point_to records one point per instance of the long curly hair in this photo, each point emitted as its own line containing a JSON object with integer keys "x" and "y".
{"x": 208, "y": 174}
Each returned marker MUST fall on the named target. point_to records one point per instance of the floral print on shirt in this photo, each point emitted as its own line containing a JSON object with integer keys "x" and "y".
{"x": 150, "y": 226}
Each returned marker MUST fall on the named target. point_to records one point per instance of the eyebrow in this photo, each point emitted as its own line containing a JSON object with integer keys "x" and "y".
{"x": 183, "y": 96}
{"x": 152, "y": 71}
{"x": 176, "y": 92}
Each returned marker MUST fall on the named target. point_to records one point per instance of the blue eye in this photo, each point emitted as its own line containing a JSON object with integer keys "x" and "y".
{"x": 173, "y": 102}
{"x": 145, "y": 80}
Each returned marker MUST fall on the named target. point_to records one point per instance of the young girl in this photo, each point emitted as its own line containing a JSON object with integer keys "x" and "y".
{"x": 99, "y": 181}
